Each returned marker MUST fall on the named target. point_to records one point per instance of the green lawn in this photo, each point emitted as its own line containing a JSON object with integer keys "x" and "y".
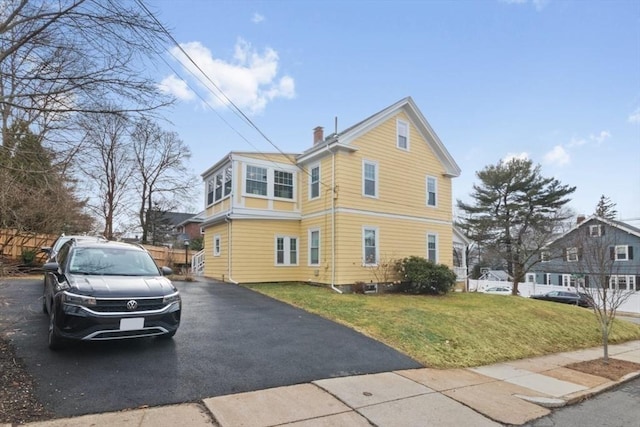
{"x": 457, "y": 330}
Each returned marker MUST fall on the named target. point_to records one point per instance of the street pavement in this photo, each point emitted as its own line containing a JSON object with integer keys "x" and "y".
{"x": 510, "y": 393}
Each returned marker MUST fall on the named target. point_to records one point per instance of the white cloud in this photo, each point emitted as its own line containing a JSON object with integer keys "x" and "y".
{"x": 176, "y": 87}
{"x": 538, "y": 4}
{"x": 557, "y": 156}
{"x": 515, "y": 156}
{"x": 249, "y": 79}
{"x": 576, "y": 142}
{"x": 257, "y": 18}
{"x": 635, "y": 116}
{"x": 601, "y": 137}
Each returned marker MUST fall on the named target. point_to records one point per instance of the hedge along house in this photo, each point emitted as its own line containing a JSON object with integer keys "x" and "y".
{"x": 377, "y": 191}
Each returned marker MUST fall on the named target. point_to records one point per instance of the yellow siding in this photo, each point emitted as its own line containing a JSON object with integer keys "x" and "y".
{"x": 401, "y": 174}
{"x": 324, "y": 201}
{"x": 222, "y": 206}
{"x": 253, "y": 250}
{"x": 217, "y": 266}
{"x": 283, "y": 205}
{"x": 316, "y": 273}
{"x": 256, "y": 203}
{"x": 398, "y": 238}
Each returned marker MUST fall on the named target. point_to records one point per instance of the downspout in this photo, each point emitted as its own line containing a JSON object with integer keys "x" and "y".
{"x": 229, "y": 246}
{"x": 333, "y": 221}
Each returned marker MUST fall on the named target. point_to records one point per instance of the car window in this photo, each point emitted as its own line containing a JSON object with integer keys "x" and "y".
{"x": 112, "y": 261}
{"x": 61, "y": 256}
{"x": 553, "y": 293}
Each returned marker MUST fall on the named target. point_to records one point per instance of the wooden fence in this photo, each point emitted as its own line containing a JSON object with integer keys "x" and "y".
{"x": 14, "y": 244}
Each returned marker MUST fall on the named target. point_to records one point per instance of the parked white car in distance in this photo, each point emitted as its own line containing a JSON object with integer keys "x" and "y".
{"x": 498, "y": 290}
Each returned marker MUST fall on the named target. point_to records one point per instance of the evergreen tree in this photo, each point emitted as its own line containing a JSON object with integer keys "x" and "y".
{"x": 606, "y": 208}
{"x": 514, "y": 213}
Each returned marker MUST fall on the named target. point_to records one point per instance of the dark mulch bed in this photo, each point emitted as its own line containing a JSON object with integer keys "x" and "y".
{"x": 613, "y": 370}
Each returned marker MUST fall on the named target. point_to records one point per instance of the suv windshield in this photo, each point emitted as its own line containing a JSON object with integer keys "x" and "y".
{"x": 112, "y": 262}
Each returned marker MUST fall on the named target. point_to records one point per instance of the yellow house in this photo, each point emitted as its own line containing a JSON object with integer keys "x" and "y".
{"x": 335, "y": 214}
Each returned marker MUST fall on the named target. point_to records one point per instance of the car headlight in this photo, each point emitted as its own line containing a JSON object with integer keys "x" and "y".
{"x": 78, "y": 299}
{"x": 168, "y": 299}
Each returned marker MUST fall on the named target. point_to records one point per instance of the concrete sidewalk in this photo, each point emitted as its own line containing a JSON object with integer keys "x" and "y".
{"x": 506, "y": 393}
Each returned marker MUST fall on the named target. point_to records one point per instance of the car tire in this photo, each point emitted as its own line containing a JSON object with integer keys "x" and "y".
{"x": 55, "y": 341}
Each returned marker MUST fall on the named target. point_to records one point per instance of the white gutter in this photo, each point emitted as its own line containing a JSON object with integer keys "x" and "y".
{"x": 333, "y": 221}
{"x": 228, "y": 221}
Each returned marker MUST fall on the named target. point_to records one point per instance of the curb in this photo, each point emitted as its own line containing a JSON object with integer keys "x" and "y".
{"x": 579, "y": 396}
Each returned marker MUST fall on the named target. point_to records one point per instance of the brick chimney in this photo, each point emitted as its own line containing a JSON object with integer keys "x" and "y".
{"x": 318, "y": 134}
{"x": 580, "y": 219}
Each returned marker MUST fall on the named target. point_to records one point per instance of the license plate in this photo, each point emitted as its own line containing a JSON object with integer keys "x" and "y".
{"x": 131, "y": 324}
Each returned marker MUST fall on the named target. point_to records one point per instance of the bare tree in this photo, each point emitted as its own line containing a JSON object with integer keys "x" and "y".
{"x": 106, "y": 163}
{"x": 58, "y": 57}
{"x": 600, "y": 249}
{"x": 160, "y": 161}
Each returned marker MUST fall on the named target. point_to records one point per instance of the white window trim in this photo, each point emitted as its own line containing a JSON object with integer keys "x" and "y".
{"x": 309, "y": 233}
{"x": 377, "y": 178}
{"x": 598, "y": 230}
{"x": 630, "y": 282}
{"x": 544, "y": 256}
{"x": 547, "y": 278}
{"x": 217, "y": 245}
{"x": 571, "y": 252}
{"x": 316, "y": 165}
{"x": 377, "y": 242}
{"x": 567, "y": 278}
{"x": 270, "y": 182}
{"x": 427, "y": 191}
{"x": 435, "y": 235}
{"x": 626, "y": 253}
{"x": 399, "y": 124}
{"x": 287, "y": 250}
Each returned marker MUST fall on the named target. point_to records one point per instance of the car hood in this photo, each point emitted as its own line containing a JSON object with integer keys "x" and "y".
{"x": 121, "y": 286}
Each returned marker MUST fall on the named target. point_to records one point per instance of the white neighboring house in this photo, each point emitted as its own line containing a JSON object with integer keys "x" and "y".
{"x": 460, "y": 262}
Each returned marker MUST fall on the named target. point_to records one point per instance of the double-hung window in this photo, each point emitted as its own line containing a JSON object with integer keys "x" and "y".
{"x": 286, "y": 250}
{"x": 314, "y": 182}
{"x": 283, "y": 184}
{"x": 228, "y": 181}
{"x": 402, "y": 135}
{"x": 572, "y": 254}
{"x": 210, "y": 185}
{"x": 314, "y": 247}
{"x": 256, "y": 180}
{"x": 370, "y": 178}
{"x": 432, "y": 247}
{"x": 432, "y": 191}
{"x": 595, "y": 230}
{"x": 621, "y": 253}
{"x": 544, "y": 256}
{"x": 370, "y": 245}
{"x": 219, "y": 178}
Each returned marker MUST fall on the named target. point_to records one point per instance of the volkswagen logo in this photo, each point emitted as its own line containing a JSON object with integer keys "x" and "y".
{"x": 132, "y": 305}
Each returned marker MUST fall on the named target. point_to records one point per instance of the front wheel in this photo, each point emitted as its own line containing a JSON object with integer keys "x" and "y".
{"x": 55, "y": 341}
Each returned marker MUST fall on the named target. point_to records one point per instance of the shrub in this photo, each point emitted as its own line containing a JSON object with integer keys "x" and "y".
{"x": 28, "y": 256}
{"x": 425, "y": 277}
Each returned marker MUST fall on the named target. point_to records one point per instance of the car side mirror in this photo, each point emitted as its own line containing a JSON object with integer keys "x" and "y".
{"x": 46, "y": 250}
{"x": 51, "y": 267}
{"x": 166, "y": 271}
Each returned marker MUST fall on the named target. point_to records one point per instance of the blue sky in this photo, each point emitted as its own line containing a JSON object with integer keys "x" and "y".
{"x": 555, "y": 81}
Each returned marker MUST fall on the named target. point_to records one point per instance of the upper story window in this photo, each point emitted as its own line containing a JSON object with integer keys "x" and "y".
{"x": 314, "y": 182}
{"x": 219, "y": 186}
{"x": 228, "y": 180}
{"x": 370, "y": 178}
{"x": 572, "y": 254}
{"x": 402, "y": 135}
{"x": 283, "y": 184}
{"x": 544, "y": 256}
{"x": 432, "y": 191}
{"x": 432, "y": 247}
{"x": 256, "y": 180}
{"x": 595, "y": 230}
{"x": 621, "y": 252}
{"x": 370, "y": 246}
{"x": 209, "y": 192}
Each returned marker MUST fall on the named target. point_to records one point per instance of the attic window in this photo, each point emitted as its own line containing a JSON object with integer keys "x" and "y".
{"x": 572, "y": 254}
{"x": 402, "y": 135}
{"x": 595, "y": 230}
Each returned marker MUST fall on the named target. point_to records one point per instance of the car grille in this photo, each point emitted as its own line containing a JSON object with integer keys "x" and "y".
{"x": 120, "y": 305}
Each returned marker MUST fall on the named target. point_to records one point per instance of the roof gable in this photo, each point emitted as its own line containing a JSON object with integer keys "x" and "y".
{"x": 596, "y": 219}
{"x": 346, "y": 137}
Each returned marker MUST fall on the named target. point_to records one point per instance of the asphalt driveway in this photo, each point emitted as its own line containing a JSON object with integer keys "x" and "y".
{"x": 231, "y": 340}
